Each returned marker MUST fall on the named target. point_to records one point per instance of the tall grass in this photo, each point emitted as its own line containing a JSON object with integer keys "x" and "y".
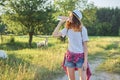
{"x": 112, "y": 62}
{"x": 108, "y": 49}
{"x": 31, "y": 63}
{"x": 44, "y": 63}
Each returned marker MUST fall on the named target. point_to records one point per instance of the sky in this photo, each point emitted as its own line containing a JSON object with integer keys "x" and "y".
{"x": 106, "y": 3}
{"x": 99, "y": 3}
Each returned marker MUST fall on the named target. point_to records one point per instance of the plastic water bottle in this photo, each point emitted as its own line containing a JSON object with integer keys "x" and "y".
{"x": 62, "y": 17}
{"x": 59, "y": 17}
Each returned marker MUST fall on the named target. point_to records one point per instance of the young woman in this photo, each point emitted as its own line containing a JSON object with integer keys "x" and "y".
{"x": 76, "y": 55}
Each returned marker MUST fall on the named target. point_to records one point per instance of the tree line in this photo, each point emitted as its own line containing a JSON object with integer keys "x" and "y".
{"x": 34, "y": 17}
{"x": 107, "y": 23}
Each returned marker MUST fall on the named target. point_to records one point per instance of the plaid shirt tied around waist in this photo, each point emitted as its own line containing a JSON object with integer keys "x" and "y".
{"x": 73, "y": 57}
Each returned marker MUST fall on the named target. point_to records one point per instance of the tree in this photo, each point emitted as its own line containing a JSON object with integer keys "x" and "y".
{"x": 63, "y": 6}
{"x": 2, "y": 2}
{"x": 48, "y": 24}
{"x": 89, "y": 16}
{"x": 2, "y": 30}
{"x": 29, "y": 13}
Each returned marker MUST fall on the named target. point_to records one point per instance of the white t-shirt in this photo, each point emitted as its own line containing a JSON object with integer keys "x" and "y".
{"x": 75, "y": 39}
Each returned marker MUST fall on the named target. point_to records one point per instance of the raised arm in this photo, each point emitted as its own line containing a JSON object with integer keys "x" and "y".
{"x": 56, "y": 32}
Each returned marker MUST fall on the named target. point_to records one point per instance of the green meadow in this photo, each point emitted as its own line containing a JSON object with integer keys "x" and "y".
{"x": 24, "y": 63}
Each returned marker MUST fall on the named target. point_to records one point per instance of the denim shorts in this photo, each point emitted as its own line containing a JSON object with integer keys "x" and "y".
{"x": 78, "y": 64}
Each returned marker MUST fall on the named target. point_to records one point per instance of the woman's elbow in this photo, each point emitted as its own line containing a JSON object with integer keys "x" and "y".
{"x": 55, "y": 34}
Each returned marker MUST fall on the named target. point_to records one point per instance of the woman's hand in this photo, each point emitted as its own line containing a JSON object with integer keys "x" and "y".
{"x": 84, "y": 67}
{"x": 63, "y": 19}
{"x": 85, "y": 56}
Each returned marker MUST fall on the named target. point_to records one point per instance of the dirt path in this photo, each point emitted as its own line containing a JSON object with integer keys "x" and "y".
{"x": 95, "y": 75}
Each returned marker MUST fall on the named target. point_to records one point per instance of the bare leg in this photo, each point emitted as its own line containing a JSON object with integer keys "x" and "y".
{"x": 71, "y": 73}
{"x": 82, "y": 74}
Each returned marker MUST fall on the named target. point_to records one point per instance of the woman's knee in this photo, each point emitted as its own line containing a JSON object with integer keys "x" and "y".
{"x": 83, "y": 75}
{"x": 71, "y": 73}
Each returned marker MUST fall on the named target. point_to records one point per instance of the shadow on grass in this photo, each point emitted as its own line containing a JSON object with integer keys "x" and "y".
{"x": 97, "y": 55}
{"x": 21, "y": 45}
{"x": 14, "y": 46}
{"x": 113, "y": 45}
{"x": 105, "y": 53}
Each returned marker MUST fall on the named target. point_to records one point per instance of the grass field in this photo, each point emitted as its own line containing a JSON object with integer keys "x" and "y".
{"x": 44, "y": 63}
